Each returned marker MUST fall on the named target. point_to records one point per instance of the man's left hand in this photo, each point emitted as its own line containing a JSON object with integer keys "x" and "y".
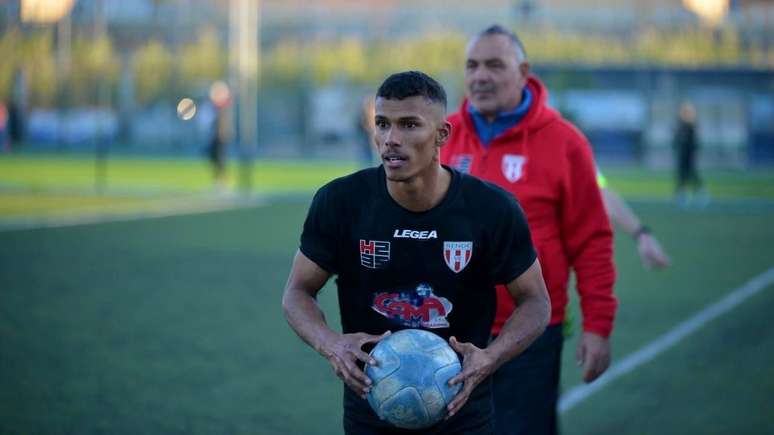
{"x": 593, "y": 354}
{"x": 477, "y": 364}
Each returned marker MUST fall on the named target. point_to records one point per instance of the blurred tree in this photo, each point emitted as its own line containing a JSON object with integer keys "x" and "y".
{"x": 10, "y": 53}
{"x": 153, "y": 67}
{"x": 438, "y": 53}
{"x": 95, "y": 66}
{"x": 442, "y": 53}
{"x": 353, "y": 59}
{"x": 202, "y": 62}
{"x": 555, "y": 46}
{"x": 162, "y": 73}
{"x": 38, "y": 60}
{"x": 344, "y": 59}
{"x": 285, "y": 63}
{"x": 691, "y": 47}
{"x": 729, "y": 47}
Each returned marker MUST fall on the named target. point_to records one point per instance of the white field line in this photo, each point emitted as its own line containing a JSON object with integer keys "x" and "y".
{"x": 650, "y": 351}
{"x": 176, "y": 208}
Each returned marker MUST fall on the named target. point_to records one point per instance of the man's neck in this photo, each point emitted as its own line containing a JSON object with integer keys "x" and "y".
{"x": 422, "y": 192}
{"x": 490, "y": 126}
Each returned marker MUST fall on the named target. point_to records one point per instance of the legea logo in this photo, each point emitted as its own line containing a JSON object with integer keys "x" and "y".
{"x": 412, "y": 234}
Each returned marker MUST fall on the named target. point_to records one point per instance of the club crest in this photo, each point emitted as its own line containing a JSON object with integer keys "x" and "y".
{"x": 512, "y": 166}
{"x": 457, "y": 255}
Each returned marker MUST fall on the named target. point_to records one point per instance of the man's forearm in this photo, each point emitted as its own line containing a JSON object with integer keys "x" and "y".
{"x": 307, "y": 319}
{"x": 525, "y": 324}
{"x": 620, "y": 213}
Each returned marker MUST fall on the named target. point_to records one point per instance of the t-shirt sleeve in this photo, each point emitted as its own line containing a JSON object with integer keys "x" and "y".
{"x": 513, "y": 252}
{"x": 318, "y": 239}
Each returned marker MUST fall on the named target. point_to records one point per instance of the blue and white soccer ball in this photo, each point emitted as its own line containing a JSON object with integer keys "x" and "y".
{"x": 410, "y": 381}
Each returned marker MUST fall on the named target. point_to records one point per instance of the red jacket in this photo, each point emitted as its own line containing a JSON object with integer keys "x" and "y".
{"x": 548, "y": 165}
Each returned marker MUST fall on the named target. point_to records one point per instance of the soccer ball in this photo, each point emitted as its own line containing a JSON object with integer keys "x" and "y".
{"x": 409, "y": 388}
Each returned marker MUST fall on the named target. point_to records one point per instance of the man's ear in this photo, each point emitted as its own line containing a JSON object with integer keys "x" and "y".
{"x": 524, "y": 69}
{"x": 444, "y": 132}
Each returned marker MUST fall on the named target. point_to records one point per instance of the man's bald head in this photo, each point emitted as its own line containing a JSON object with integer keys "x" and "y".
{"x": 498, "y": 30}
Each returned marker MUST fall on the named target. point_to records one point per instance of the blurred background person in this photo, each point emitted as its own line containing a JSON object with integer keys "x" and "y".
{"x": 686, "y": 148}
{"x": 3, "y": 127}
{"x": 14, "y": 125}
{"x": 364, "y": 130}
{"x": 217, "y": 147}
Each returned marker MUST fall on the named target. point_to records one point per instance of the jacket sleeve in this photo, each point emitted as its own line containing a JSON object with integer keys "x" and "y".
{"x": 588, "y": 238}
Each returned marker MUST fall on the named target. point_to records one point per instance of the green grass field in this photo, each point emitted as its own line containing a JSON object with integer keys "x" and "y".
{"x": 48, "y": 186}
{"x": 174, "y": 325}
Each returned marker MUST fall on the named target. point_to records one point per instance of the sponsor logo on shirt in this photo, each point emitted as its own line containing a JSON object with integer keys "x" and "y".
{"x": 413, "y": 234}
{"x": 457, "y": 255}
{"x": 462, "y": 162}
{"x": 512, "y": 167}
{"x": 374, "y": 254}
{"x": 415, "y": 308}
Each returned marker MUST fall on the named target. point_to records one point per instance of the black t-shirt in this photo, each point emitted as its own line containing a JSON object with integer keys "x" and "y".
{"x": 433, "y": 270}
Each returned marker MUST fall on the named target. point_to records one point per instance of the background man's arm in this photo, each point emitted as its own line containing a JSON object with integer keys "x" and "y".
{"x": 587, "y": 237}
{"x": 525, "y": 324}
{"x": 299, "y": 303}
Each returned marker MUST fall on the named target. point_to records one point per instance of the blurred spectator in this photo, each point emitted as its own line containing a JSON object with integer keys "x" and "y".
{"x": 364, "y": 129}
{"x": 220, "y": 98}
{"x": 15, "y": 127}
{"x": 686, "y": 147}
{"x": 3, "y": 128}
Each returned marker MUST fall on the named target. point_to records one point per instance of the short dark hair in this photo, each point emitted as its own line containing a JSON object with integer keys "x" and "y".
{"x": 497, "y": 29}
{"x": 408, "y": 84}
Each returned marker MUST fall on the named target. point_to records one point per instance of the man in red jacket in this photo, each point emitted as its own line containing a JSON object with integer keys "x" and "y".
{"x": 505, "y": 133}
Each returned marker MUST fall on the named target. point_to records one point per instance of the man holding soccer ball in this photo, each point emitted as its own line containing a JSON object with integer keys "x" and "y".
{"x": 416, "y": 245}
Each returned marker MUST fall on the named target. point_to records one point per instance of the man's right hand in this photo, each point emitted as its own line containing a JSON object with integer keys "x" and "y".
{"x": 651, "y": 252}
{"x": 343, "y": 354}
{"x": 593, "y": 354}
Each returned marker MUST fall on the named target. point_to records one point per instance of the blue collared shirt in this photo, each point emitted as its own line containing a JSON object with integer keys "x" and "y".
{"x": 487, "y": 131}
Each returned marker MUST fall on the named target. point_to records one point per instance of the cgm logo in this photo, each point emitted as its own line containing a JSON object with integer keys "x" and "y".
{"x": 457, "y": 255}
{"x": 418, "y": 308}
{"x": 512, "y": 166}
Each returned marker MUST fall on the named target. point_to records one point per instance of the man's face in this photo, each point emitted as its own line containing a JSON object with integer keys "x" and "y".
{"x": 494, "y": 77}
{"x": 407, "y": 134}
